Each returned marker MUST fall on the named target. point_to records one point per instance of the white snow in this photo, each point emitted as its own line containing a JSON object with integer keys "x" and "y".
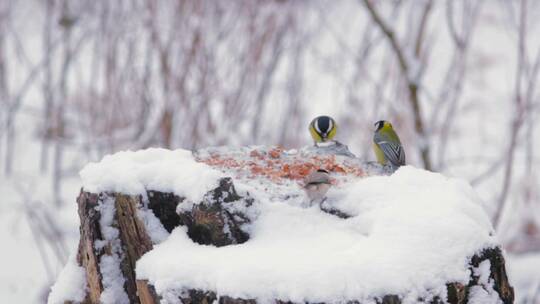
{"x": 484, "y": 292}
{"x": 154, "y": 228}
{"x": 479, "y": 295}
{"x": 163, "y": 170}
{"x": 70, "y": 284}
{"x": 109, "y": 265}
{"x": 409, "y": 234}
{"x": 113, "y": 281}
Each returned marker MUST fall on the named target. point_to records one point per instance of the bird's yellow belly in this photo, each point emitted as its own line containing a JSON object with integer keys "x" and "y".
{"x": 379, "y": 154}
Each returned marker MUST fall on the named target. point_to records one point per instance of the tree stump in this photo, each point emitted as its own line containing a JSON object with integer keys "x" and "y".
{"x": 133, "y": 238}
{"x": 212, "y": 222}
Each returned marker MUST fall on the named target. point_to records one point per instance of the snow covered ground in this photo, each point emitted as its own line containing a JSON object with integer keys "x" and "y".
{"x": 26, "y": 259}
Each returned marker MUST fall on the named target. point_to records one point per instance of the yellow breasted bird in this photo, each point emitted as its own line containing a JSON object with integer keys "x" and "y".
{"x": 322, "y": 129}
{"x": 387, "y": 145}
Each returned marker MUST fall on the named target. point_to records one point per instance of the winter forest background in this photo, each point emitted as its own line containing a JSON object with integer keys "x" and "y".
{"x": 81, "y": 79}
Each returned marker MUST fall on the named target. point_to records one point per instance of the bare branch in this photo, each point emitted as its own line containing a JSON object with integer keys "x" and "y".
{"x": 412, "y": 84}
{"x": 518, "y": 116}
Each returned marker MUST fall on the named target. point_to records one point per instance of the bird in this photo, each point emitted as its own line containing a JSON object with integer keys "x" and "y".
{"x": 387, "y": 146}
{"x": 322, "y": 129}
{"x": 316, "y": 185}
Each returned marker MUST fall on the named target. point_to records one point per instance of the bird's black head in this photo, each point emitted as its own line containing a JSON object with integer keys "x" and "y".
{"x": 323, "y": 125}
{"x": 379, "y": 125}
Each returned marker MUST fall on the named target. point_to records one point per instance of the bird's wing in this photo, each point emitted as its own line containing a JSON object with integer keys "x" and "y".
{"x": 401, "y": 155}
{"x": 392, "y": 150}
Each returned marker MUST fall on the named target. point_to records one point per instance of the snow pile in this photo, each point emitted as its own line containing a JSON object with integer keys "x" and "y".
{"x": 70, "y": 284}
{"x": 152, "y": 169}
{"x": 409, "y": 234}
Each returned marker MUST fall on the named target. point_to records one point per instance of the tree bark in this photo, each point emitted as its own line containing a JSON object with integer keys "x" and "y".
{"x": 134, "y": 239}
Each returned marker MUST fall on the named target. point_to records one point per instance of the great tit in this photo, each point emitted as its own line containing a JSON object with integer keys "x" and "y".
{"x": 322, "y": 129}
{"x": 387, "y": 146}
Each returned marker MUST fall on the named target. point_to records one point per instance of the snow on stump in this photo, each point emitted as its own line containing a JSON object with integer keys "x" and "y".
{"x": 234, "y": 226}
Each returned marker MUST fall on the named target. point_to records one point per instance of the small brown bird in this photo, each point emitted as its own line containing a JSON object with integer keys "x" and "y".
{"x": 316, "y": 184}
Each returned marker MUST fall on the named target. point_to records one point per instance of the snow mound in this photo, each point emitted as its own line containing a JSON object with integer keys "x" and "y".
{"x": 162, "y": 170}
{"x": 70, "y": 284}
{"x": 409, "y": 233}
